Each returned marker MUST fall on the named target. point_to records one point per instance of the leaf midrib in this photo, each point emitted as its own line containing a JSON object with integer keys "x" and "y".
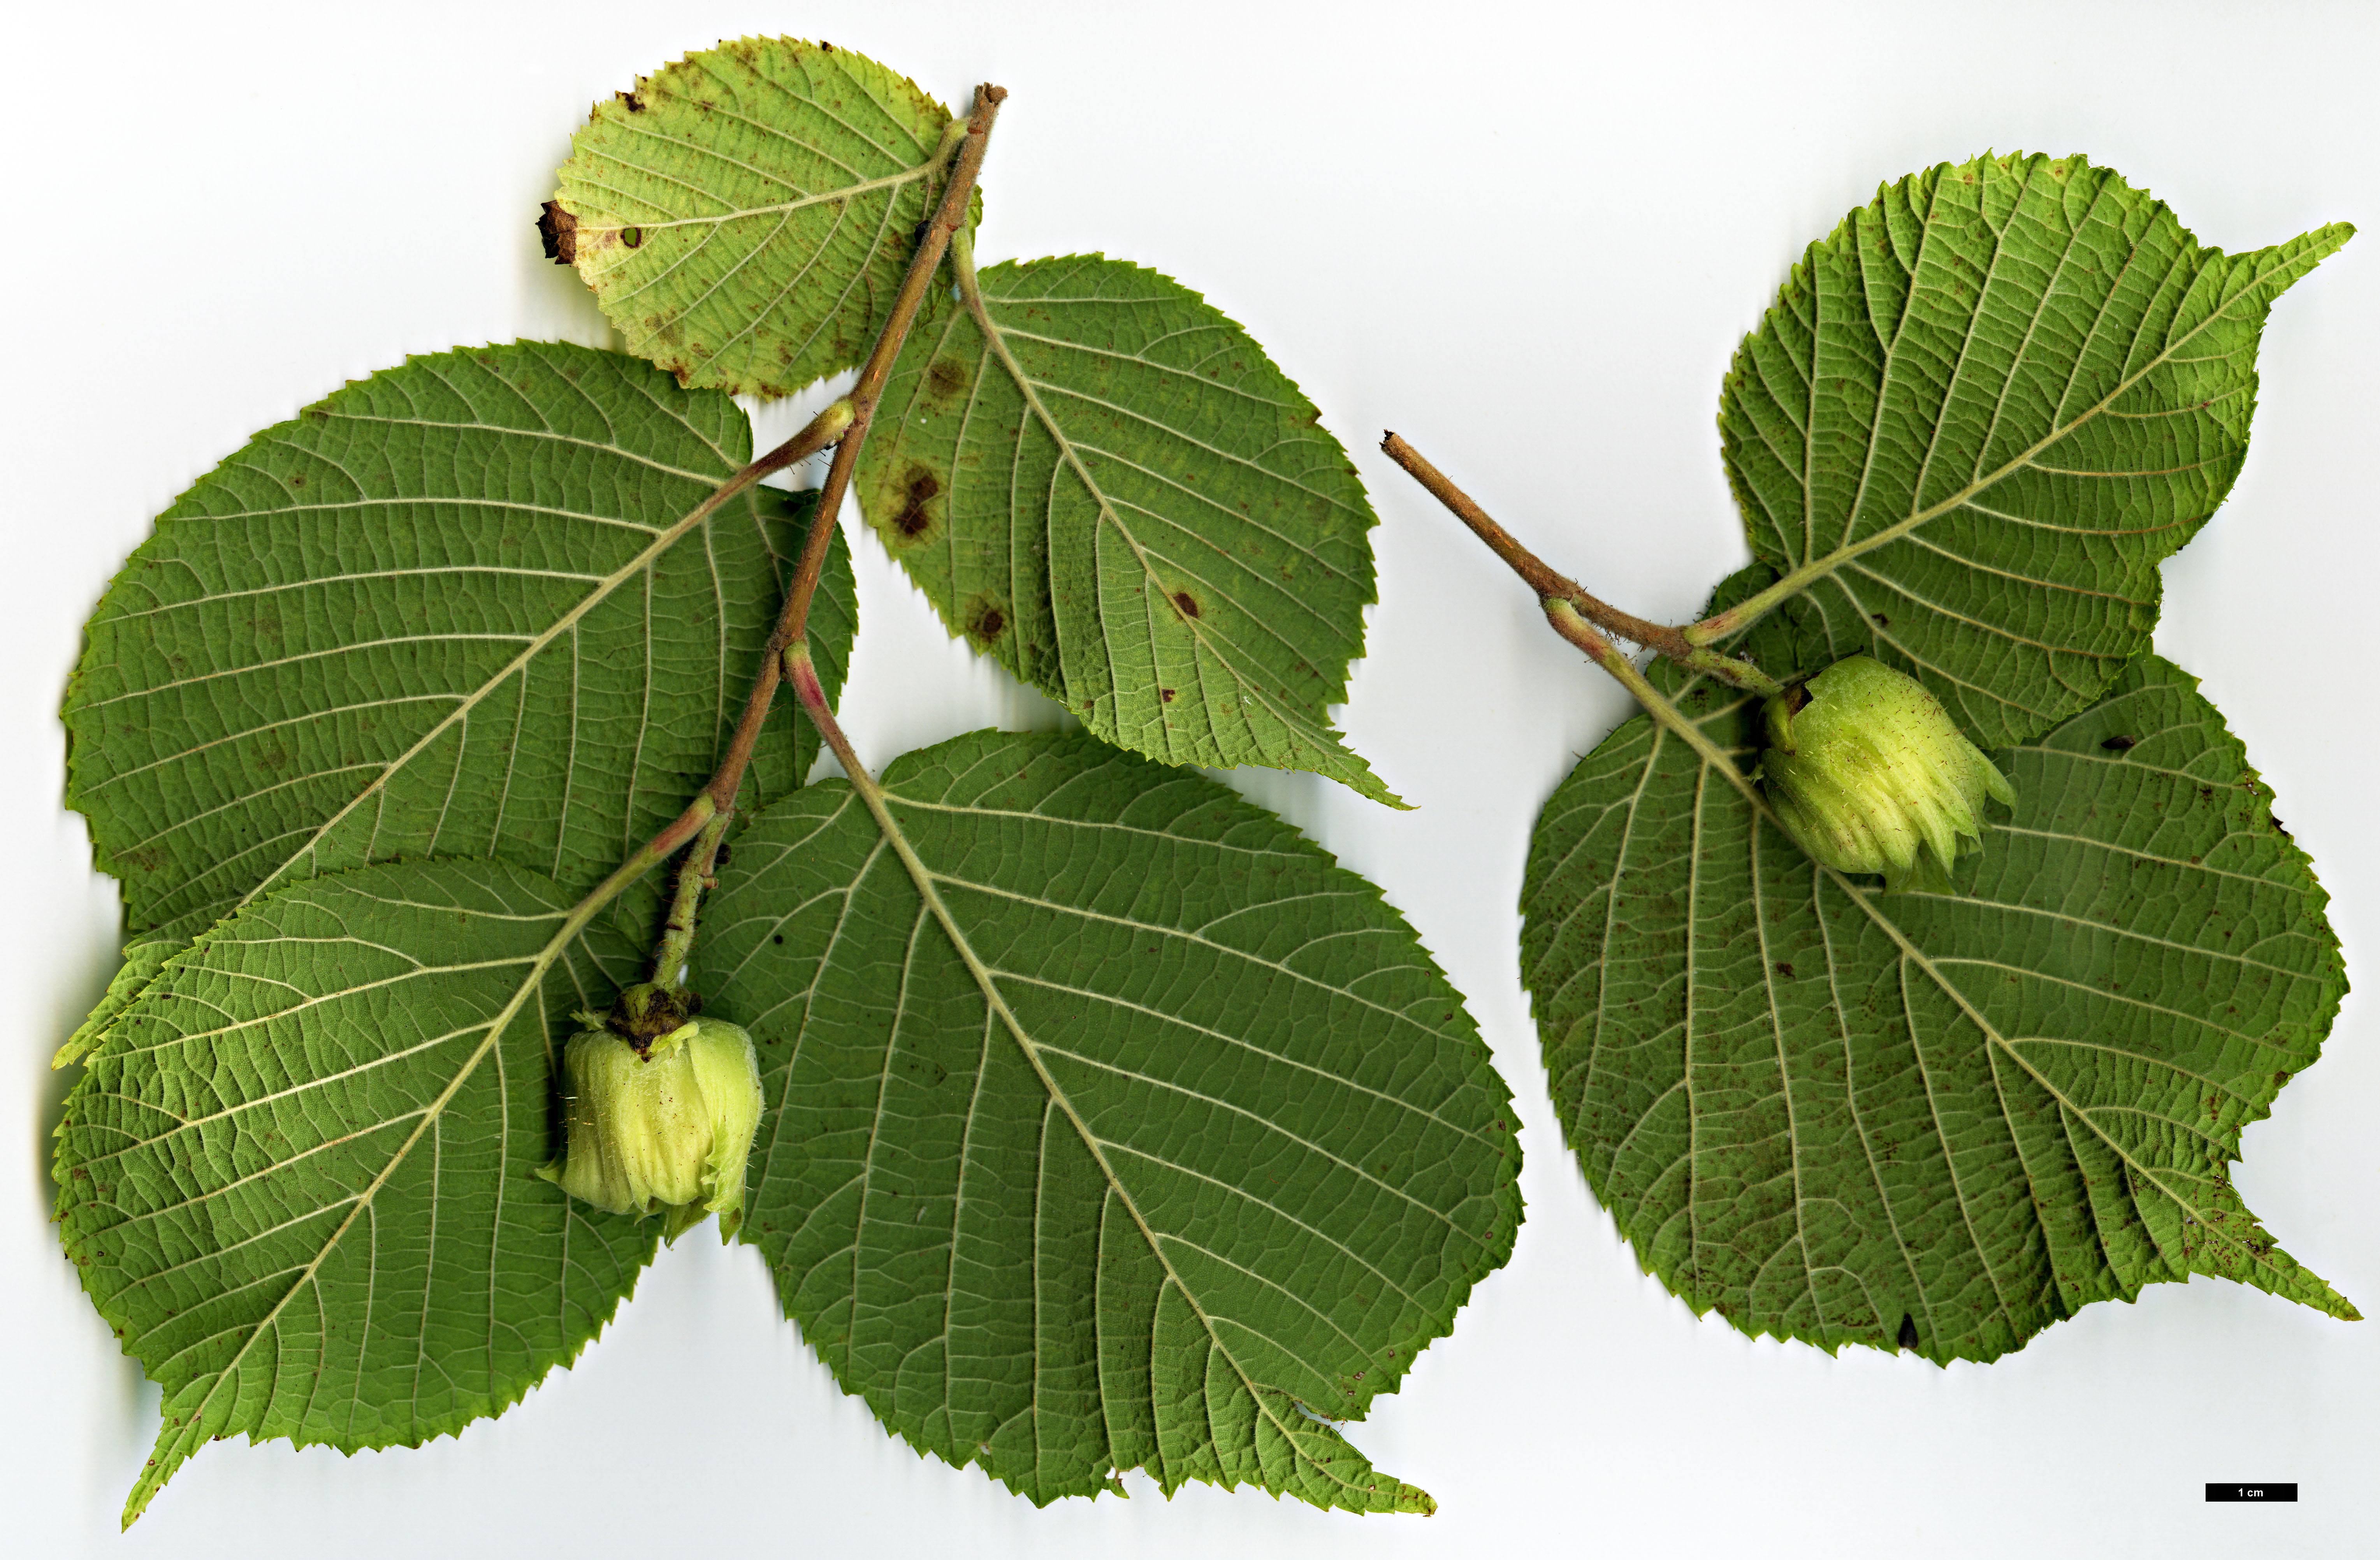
{"x": 2066, "y": 1107}
{"x": 603, "y": 589}
{"x": 1712, "y": 757}
{"x": 1168, "y": 1086}
{"x": 501, "y": 430}
{"x": 803, "y": 202}
{"x": 927, "y": 884}
{"x": 1801, "y": 577}
{"x": 1293, "y": 722}
{"x": 155, "y": 1474}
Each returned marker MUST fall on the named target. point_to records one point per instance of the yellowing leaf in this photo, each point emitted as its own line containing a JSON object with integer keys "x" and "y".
{"x": 744, "y": 215}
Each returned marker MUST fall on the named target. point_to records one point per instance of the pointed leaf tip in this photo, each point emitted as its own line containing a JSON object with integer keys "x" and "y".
{"x": 1980, "y": 414}
{"x": 372, "y": 1050}
{"x": 2029, "y": 1093}
{"x": 1146, "y": 521}
{"x": 1174, "y": 1110}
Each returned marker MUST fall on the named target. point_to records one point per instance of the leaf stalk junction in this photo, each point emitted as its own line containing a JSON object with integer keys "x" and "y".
{"x": 1588, "y": 625}
{"x": 1553, "y": 588}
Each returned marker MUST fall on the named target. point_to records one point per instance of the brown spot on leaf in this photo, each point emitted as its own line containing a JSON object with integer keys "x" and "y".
{"x": 636, "y": 104}
{"x": 630, "y": 237}
{"x": 919, "y": 487}
{"x": 1165, "y": 695}
{"x": 1881, "y": 620}
{"x": 945, "y": 379}
{"x": 1785, "y": 970}
{"x": 986, "y": 621}
{"x": 1186, "y": 603}
{"x": 2117, "y": 744}
{"x": 559, "y": 232}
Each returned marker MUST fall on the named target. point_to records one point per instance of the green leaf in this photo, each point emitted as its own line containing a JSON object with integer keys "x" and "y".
{"x": 1154, "y": 1139}
{"x": 298, "y": 1180}
{"x": 143, "y": 959}
{"x": 1936, "y": 1122}
{"x": 744, "y": 216}
{"x": 1102, "y": 483}
{"x": 459, "y": 608}
{"x": 1983, "y": 410}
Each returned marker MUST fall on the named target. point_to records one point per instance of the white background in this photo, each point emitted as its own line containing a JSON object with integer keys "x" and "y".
{"x": 1528, "y": 237}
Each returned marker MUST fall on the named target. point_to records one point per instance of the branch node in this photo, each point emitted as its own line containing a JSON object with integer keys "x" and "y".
{"x": 1553, "y": 588}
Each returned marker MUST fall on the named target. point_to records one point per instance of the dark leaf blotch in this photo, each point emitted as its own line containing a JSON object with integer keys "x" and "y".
{"x": 558, "y": 230}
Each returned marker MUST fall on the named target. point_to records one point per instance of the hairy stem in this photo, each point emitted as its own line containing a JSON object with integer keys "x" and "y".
{"x": 1552, "y": 587}
{"x": 1752, "y": 608}
{"x": 694, "y": 876}
{"x": 823, "y": 429}
{"x": 844, "y": 425}
{"x": 854, "y": 413}
{"x": 1572, "y": 625}
{"x": 947, "y": 220}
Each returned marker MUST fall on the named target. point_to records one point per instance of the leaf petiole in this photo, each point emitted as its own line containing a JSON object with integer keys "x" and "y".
{"x": 1568, "y": 622}
{"x": 1754, "y": 607}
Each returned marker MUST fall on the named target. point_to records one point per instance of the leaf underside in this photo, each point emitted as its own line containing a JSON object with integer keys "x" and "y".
{"x": 454, "y": 609}
{"x": 1099, "y": 481}
{"x": 1931, "y": 1122}
{"x": 744, "y": 216}
{"x": 298, "y": 1179}
{"x": 1224, "y": 1154}
{"x": 143, "y": 959}
{"x": 1984, "y": 410}
{"x": 1145, "y": 1137}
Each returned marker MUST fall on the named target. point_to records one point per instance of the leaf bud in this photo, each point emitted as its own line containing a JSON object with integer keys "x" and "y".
{"x": 1868, "y": 774}
{"x": 664, "y": 1123}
